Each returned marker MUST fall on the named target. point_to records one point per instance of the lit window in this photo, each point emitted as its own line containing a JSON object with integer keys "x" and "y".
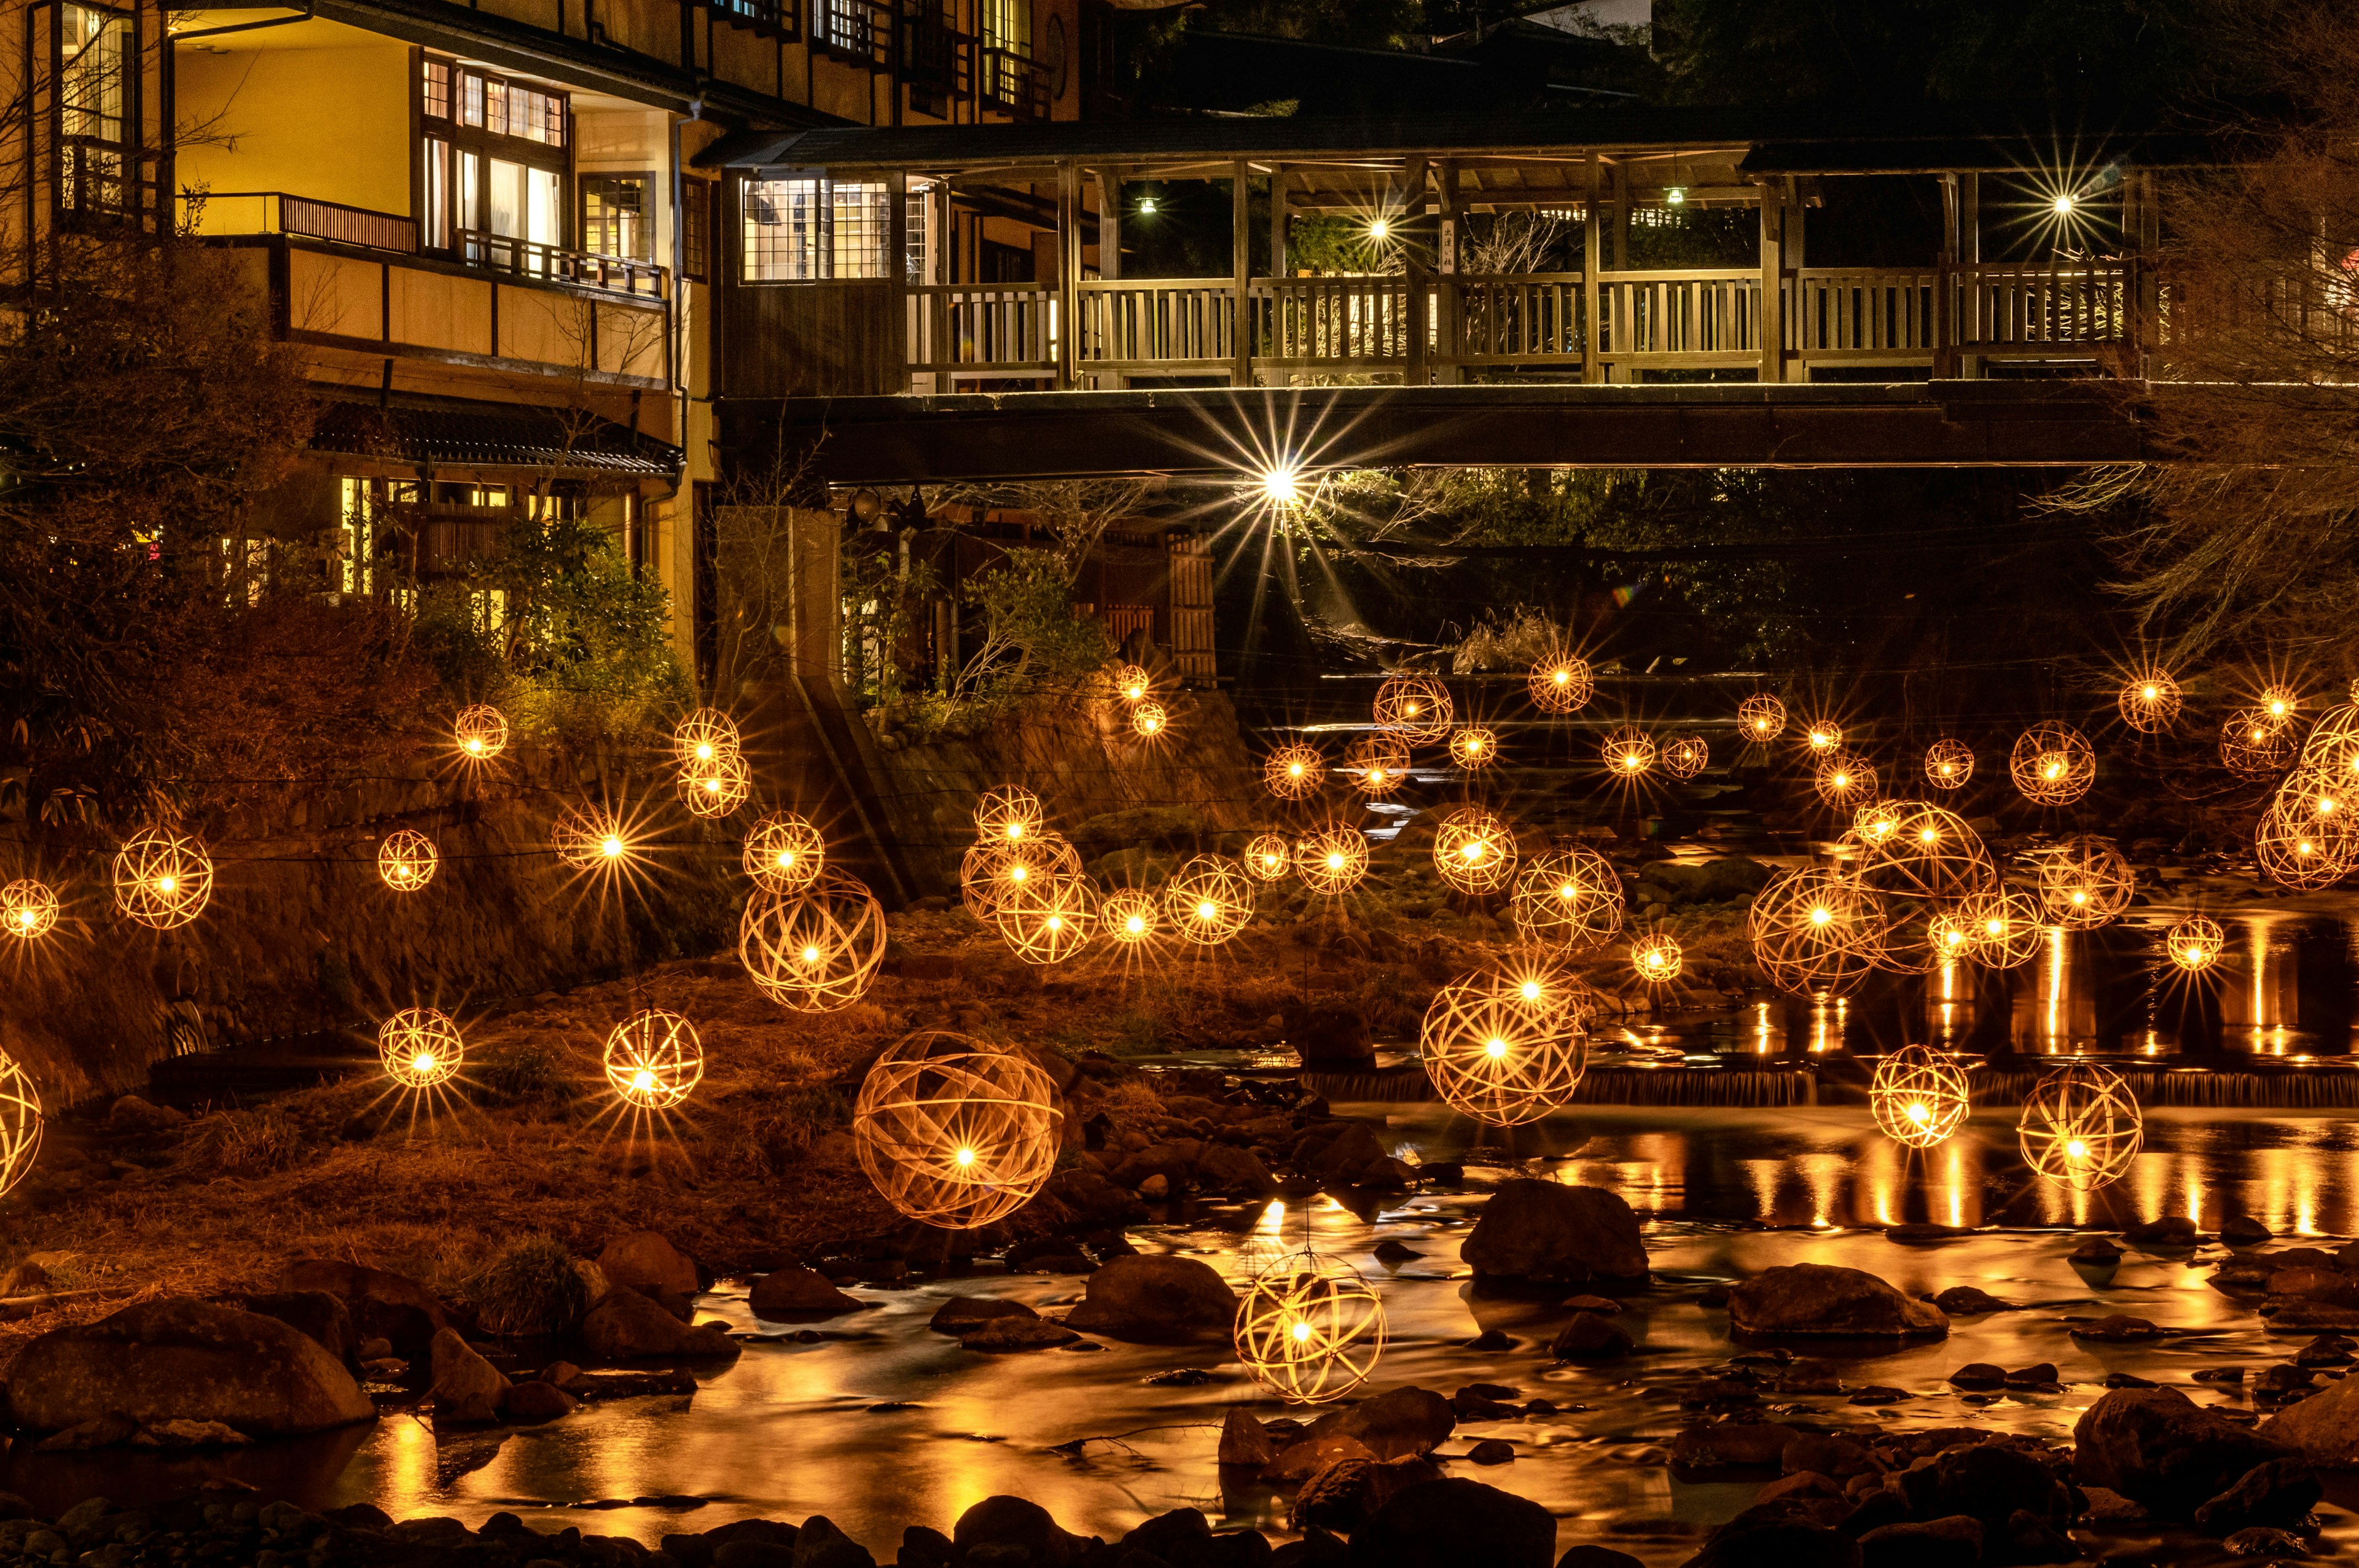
{"x": 807, "y": 230}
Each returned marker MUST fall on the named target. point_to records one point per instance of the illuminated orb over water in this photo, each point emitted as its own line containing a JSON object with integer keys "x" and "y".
{"x": 1310, "y": 1329}
{"x": 956, "y": 1133}
{"x": 2081, "y": 1127}
{"x": 1919, "y": 1097}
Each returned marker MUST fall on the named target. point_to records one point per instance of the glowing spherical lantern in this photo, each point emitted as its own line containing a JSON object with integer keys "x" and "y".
{"x": 1657, "y": 958}
{"x": 420, "y": 1048}
{"x": 1500, "y": 1055}
{"x": 590, "y": 837}
{"x": 1569, "y": 899}
{"x": 2332, "y": 746}
{"x": 2195, "y": 943}
{"x": 717, "y": 785}
{"x": 705, "y": 735}
{"x": 1473, "y": 852}
{"x": 1378, "y": 763}
{"x": 2279, "y": 702}
{"x": 2081, "y": 1127}
{"x": 481, "y": 732}
{"x": 2085, "y": 881}
{"x": 817, "y": 950}
{"x": 1919, "y": 1097}
{"x": 1268, "y": 857}
{"x": 654, "y": 1059}
{"x": 1474, "y": 747}
{"x": 1949, "y": 764}
{"x": 1927, "y": 852}
{"x": 1817, "y": 930}
{"x": 2005, "y": 925}
{"x": 2254, "y": 744}
{"x": 956, "y": 1133}
{"x": 1416, "y": 707}
{"x": 1010, "y": 812}
{"x": 1823, "y": 735}
{"x": 1760, "y": 718}
{"x": 783, "y": 852}
{"x": 1208, "y": 900}
{"x": 1049, "y": 919}
{"x": 1950, "y": 934}
{"x": 2148, "y": 701}
{"x": 406, "y": 860}
{"x": 162, "y": 879}
{"x": 20, "y": 1123}
{"x": 1149, "y": 720}
{"x": 1131, "y": 682}
{"x": 1294, "y": 771}
{"x": 1876, "y": 822}
{"x": 28, "y": 910}
{"x": 1626, "y": 753}
{"x": 1844, "y": 779}
{"x": 1332, "y": 859}
{"x": 993, "y": 869}
{"x": 2304, "y": 847}
{"x": 1685, "y": 756}
{"x": 1310, "y": 1329}
{"x": 2052, "y": 765}
{"x": 1129, "y": 915}
{"x": 1560, "y": 683}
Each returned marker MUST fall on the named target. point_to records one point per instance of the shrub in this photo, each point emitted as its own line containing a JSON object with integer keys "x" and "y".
{"x": 532, "y": 1287}
{"x": 245, "y": 1142}
{"x": 521, "y": 1072}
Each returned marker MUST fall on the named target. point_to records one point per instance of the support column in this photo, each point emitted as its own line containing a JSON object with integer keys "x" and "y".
{"x": 1969, "y": 250}
{"x": 1945, "y": 324}
{"x": 1593, "y": 262}
{"x": 1279, "y": 222}
{"x": 2143, "y": 286}
{"x": 1110, "y": 256}
{"x": 1241, "y": 256}
{"x": 905, "y": 331}
{"x": 1068, "y": 226}
{"x": 1412, "y": 209}
{"x": 1770, "y": 322}
{"x": 1445, "y": 263}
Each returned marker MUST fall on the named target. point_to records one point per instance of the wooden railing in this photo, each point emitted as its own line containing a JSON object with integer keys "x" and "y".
{"x": 280, "y": 213}
{"x": 1696, "y": 317}
{"x": 1173, "y": 325}
{"x": 1329, "y": 323}
{"x": 2013, "y": 308}
{"x": 584, "y": 269}
{"x": 1514, "y": 319}
{"x": 999, "y": 328}
{"x": 857, "y": 30}
{"x": 1834, "y": 313}
{"x": 1012, "y": 82}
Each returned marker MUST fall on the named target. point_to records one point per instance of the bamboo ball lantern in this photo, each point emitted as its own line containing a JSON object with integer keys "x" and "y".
{"x": 1332, "y": 859}
{"x": 1919, "y": 1097}
{"x": 589, "y": 837}
{"x": 817, "y": 950}
{"x": 654, "y": 1059}
{"x": 1474, "y": 747}
{"x": 1951, "y": 934}
{"x": 1294, "y": 771}
{"x": 1844, "y": 779}
{"x": 993, "y": 869}
{"x": 20, "y": 1123}
{"x": 2052, "y": 765}
{"x": 1566, "y": 900}
{"x": 706, "y": 735}
{"x": 1416, "y": 707}
{"x": 1930, "y": 853}
{"x": 1049, "y": 920}
{"x": 1560, "y": 683}
{"x": 162, "y": 879}
{"x": 1473, "y": 852}
{"x": 1010, "y": 813}
{"x": 2303, "y": 849}
{"x": 2317, "y": 795}
{"x": 2081, "y": 1127}
{"x": 2006, "y": 927}
{"x": 1760, "y": 718}
{"x": 481, "y": 732}
{"x": 2085, "y": 881}
{"x": 1208, "y": 900}
{"x": 783, "y": 852}
{"x": 1949, "y": 764}
{"x": 2195, "y": 943}
{"x": 28, "y": 910}
{"x": 1131, "y": 682}
{"x": 1685, "y": 756}
{"x": 1378, "y": 763}
{"x": 718, "y": 785}
{"x": 2332, "y": 746}
{"x": 1149, "y": 720}
{"x": 2254, "y": 745}
{"x": 1310, "y": 1329}
{"x": 956, "y": 1133}
{"x": 1627, "y": 754}
{"x": 406, "y": 860}
{"x": 420, "y": 1048}
{"x": 1657, "y": 958}
{"x": 1817, "y": 930}
{"x": 2148, "y": 701}
{"x": 1877, "y": 822}
{"x": 2279, "y": 702}
{"x": 1498, "y": 1057}
{"x": 1823, "y": 735}
{"x": 1129, "y": 915}
{"x": 1268, "y": 857}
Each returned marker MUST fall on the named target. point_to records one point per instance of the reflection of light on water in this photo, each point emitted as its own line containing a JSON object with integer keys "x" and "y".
{"x": 1761, "y": 1028}
{"x": 2260, "y": 942}
{"x": 408, "y": 1467}
{"x": 1957, "y": 1184}
{"x": 1823, "y": 1178}
{"x": 1949, "y": 1011}
{"x": 1761, "y": 1175}
{"x": 2055, "y": 983}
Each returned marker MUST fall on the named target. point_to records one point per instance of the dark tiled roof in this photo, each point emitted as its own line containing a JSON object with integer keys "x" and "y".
{"x": 457, "y": 433}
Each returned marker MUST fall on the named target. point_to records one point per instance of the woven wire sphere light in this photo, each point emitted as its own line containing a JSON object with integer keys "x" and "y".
{"x": 1268, "y": 857}
{"x": 716, "y": 786}
{"x": 162, "y": 879}
{"x": 20, "y": 1123}
{"x": 1626, "y": 752}
{"x": 1928, "y": 853}
{"x": 420, "y": 1048}
{"x": 481, "y": 732}
{"x": 588, "y": 837}
{"x": 1294, "y": 771}
{"x": 2254, "y": 745}
{"x": 2006, "y": 927}
{"x": 1474, "y": 851}
{"x": 1823, "y": 735}
{"x": 817, "y": 950}
{"x": 1009, "y": 812}
{"x": 1129, "y": 914}
{"x": 2302, "y": 848}
{"x": 1049, "y": 920}
{"x": 1817, "y": 930}
{"x": 1569, "y": 899}
{"x": 28, "y": 909}
{"x": 1332, "y": 859}
{"x": 1378, "y": 763}
{"x": 2085, "y": 881}
{"x": 1208, "y": 900}
{"x": 1760, "y": 718}
{"x": 1919, "y": 1097}
{"x": 2081, "y": 1127}
{"x": 1149, "y": 720}
{"x": 1657, "y": 958}
{"x": 1560, "y": 683}
{"x": 1498, "y": 1055}
{"x": 654, "y": 1059}
{"x": 993, "y": 869}
{"x": 2195, "y": 942}
{"x": 406, "y": 860}
{"x": 1130, "y": 682}
{"x": 704, "y": 735}
{"x": 2148, "y": 701}
{"x": 1873, "y": 825}
{"x": 956, "y": 1133}
{"x": 1473, "y": 747}
{"x": 2332, "y": 744}
{"x": 1844, "y": 779}
{"x": 2052, "y": 765}
{"x": 1949, "y": 764}
{"x": 1685, "y": 756}
{"x": 783, "y": 852}
{"x": 1310, "y": 1329}
{"x": 1416, "y": 707}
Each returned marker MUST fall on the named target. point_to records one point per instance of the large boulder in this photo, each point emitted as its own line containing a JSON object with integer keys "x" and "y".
{"x": 1155, "y": 1300}
{"x": 793, "y": 1293}
{"x": 2161, "y": 1448}
{"x": 322, "y": 1316}
{"x": 1449, "y": 1523}
{"x": 1396, "y": 1422}
{"x": 176, "y": 1358}
{"x": 645, "y": 1261}
{"x": 1547, "y": 1230}
{"x": 628, "y": 1326}
{"x": 383, "y": 1305}
{"x": 467, "y": 1388}
{"x": 1016, "y": 1521}
{"x": 1817, "y": 1299}
{"x": 1753, "y": 1540}
{"x": 2324, "y": 1427}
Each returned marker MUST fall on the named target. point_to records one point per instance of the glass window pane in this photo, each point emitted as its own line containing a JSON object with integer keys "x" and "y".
{"x": 862, "y": 214}
{"x": 784, "y": 224}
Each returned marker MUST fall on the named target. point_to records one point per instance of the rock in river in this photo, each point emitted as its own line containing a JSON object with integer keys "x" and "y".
{"x": 1817, "y": 1299}
{"x": 467, "y": 1388}
{"x": 179, "y": 1359}
{"x": 1155, "y": 1300}
{"x": 794, "y": 1292}
{"x": 1547, "y": 1230}
{"x": 1456, "y": 1521}
{"x": 2158, "y": 1446}
{"x": 626, "y": 1326}
{"x": 2324, "y": 1427}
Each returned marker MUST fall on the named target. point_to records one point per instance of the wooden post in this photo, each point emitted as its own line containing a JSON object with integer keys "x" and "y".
{"x": 1621, "y": 217}
{"x": 1069, "y": 228}
{"x": 1241, "y": 252}
{"x": 1593, "y": 262}
{"x": 1110, "y": 262}
{"x": 1445, "y": 260}
{"x": 2145, "y": 285}
{"x": 897, "y": 251}
{"x": 1770, "y": 322}
{"x": 945, "y": 249}
{"x": 1945, "y": 326}
{"x": 1969, "y": 250}
{"x": 1412, "y": 209}
{"x": 1278, "y": 237}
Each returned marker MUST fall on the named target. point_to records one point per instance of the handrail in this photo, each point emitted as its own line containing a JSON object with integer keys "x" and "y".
{"x": 1013, "y": 82}
{"x": 585, "y": 269}
{"x": 284, "y": 212}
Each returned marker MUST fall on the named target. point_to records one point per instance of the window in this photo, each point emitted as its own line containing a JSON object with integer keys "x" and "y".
{"x": 615, "y": 219}
{"x": 494, "y": 166}
{"x": 1007, "y": 25}
{"x": 94, "y": 59}
{"x": 356, "y": 537}
{"x": 696, "y": 231}
{"x": 803, "y": 230}
{"x": 849, "y": 26}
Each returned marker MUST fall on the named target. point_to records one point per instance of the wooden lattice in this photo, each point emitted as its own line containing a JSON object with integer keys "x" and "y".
{"x": 420, "y": 1048}
{"x": 1208, "y": 900}
{"x": 1569, "y": 899}
{"x": 1010, "y": 812}
{"x": 1416, "y": 707}
{"x": 783, "y": 852}
{"x": 2149, "y": 700}
{"x": 716, "y": 786}
{"x": 590, "y": 837}
{"x": 1823, "y": 735}
{"x": 1919, "y": 1097}
{"x": 20, "y": 1123}
{"x": 1928, "y": 853}
{"x": 1049, "y": 919}
{"x": 1149, "y": 720}
{"x": 1473, "y": 747}
{"x": 1499, "y": 1056}
{"x": 1267, "y": 858}
{"x": 704, "y": 735}
{"x": 2085, "y": 881}
{"x": 2196, "y": 943}
{"x": 1332, "y": 859}
{"x": 1473, "y": 852}
{"x": 481, "y": 732}
{"x": 162, "y": 879}
{"x": 2006, "y": 928}
{"x": 1293, "y": 771}
{"x": 2304, "y": 848}
{"x": 1626, "y": 753}
{"x": 1129, "y": 914}
{"x": 1949, "y": 764}
{"x": 2255, "y": 745}
{"x": 956, "y": 1133}
{"x": 816, "y": 950}
{"x": 1131, "y": 682}
{"x": 1658, "y": 958}
{"x": 1817, "y": 930}
{"x": 654, "y": 1059}
{"x": 1560, "y": 683}
{"x": 1685, "y": 756}
{"x": 994, "y": 868}
{"x": 1844, "y": 779}
{"x": 1760, "y": 718}
{"x": 1378, "y": 763}
{"x": 28, "y": 909}
{"x": 2052, "y": 765}
{"x": 1310, "y": 1329}
{"x": 406, "y": 860}
{"x": 2081, "y": 1127}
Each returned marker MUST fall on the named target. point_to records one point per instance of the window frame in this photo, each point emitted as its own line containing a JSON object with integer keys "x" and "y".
{"x": 824, "y": 250}
{"x": 449, "y": 137}
{"x": 582, "y": 184}
{"x": 130, "y": 150}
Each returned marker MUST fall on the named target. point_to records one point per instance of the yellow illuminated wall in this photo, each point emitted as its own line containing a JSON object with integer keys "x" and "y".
{"x": 331, "y": 123}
